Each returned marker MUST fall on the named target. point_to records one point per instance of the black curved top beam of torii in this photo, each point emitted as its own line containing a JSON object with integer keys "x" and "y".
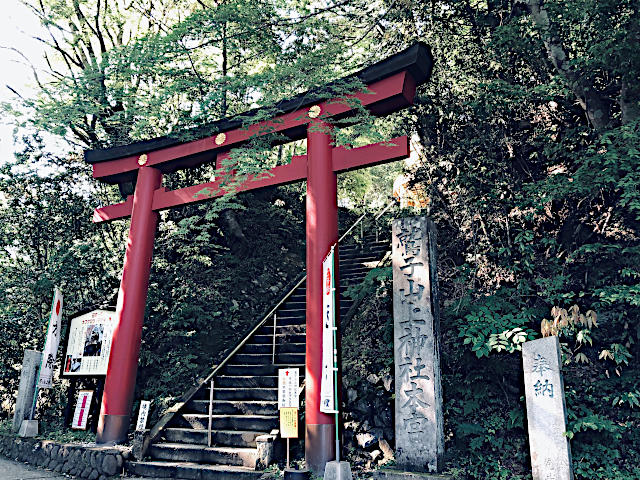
{"x": 391, "y": 85}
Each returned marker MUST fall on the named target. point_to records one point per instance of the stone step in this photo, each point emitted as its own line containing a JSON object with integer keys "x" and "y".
{"x": 351, "y": 279}
{"x": 283, "y": 329}
{"x": 350, "y": 251}
{"x": 300, "y": 303}
{"x": 295, "y": 305}
{"x": 289, "y": 318}
{"x": 234, "y": 407}
{"x": 225, "y": 438}
{"x": 291, "y": 327}
{"x": 292, "y": 312}
{"x": 357, "y": 268}
{"x": 236, "y": 369}
{"x": 264, "y": 359}
{"x": 265, "y": 348}
{"x": 281, "y": 338}
{"x": 180, "y": 452}
{"x": 199, "y": 421}
{"x": 360, "y": 260}
{"x": 368, "y": 254}
{"x": 242, "y": 393}
{"x": 192, "y": 471}
{"x": 246, "y": 381}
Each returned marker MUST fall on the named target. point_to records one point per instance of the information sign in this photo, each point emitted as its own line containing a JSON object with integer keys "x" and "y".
{"x": 89, "y": 344}
{"x": 288, "y": 388}
{"x": 289, "y": 422}
{"x": 82, "y": 410}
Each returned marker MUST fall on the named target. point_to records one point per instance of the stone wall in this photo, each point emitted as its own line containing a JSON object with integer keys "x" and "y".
{"x": 93, "y": 463}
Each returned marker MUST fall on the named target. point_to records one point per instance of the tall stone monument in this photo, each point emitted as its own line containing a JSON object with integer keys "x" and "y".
{"x": 546, "y": 410}
{"x": 418, "y": 411}
{"x": 26, "y": 387}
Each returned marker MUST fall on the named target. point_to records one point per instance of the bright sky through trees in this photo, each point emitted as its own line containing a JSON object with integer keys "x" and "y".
{"x": 17, "y": 27}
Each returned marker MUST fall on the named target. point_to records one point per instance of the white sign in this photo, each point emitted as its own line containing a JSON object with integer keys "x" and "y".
{"x": 288, "y": 388}
{"x": 327, "y": 397}
{"x": 142, "y": 415}
{"x": 51, "y": 344}
{"x": 89, "y": 344}
{"x": 82, "y": 410}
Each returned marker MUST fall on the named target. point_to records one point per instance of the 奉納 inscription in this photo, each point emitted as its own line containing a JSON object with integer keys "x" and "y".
{"x": 546, "y": 413}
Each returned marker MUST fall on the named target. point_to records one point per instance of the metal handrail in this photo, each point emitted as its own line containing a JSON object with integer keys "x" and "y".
{"x": 391, "y": 204}
{"x": 344, "y": 235}
{"x": 273, "y": 352}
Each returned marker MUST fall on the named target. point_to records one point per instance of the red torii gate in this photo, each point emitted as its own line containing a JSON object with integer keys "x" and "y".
{"x": 391, "y": 83}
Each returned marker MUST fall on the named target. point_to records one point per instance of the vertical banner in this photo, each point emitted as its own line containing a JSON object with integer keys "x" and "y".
{"x": 53, "y": 340}
{"x": 327, "y": 396}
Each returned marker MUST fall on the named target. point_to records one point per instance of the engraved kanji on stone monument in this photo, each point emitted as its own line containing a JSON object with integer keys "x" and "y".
{"x": 546, "y": 412}
{"x": 419, "y": 421}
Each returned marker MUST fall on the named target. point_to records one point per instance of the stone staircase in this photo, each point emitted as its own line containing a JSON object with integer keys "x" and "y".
{"x": 245, "y": 394}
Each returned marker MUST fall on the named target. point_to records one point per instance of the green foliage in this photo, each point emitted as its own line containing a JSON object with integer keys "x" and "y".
{"x": 47, "y": 240}
{"x": 630, "y": 398}
{"x": 496, "y": 325}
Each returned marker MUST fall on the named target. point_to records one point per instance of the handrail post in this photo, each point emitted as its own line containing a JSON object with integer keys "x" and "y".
{"x": 273, "y": 352}
{"x": 210, "y": 413}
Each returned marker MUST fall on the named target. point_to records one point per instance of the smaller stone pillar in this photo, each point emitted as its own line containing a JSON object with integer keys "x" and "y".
{"x": 418, "y": 411}
{"x": 546, "y": 411}
{"x": 26, "y": 388}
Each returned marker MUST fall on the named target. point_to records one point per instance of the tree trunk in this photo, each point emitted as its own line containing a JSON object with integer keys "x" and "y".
{"x": 592, "y": 102}
{"x": 233, "y": 232}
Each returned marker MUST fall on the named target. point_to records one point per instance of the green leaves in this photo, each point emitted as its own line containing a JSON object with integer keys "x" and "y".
{"x": 495, "y": 326}
{"x": 630, "y": 398}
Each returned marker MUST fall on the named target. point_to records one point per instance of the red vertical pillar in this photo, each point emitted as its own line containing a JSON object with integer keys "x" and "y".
{"x": 120, "y": 383}
{"x": 322, "y": 232}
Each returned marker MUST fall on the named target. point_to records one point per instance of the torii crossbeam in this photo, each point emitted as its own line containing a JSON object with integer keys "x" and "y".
{"x": 391, "y": 86}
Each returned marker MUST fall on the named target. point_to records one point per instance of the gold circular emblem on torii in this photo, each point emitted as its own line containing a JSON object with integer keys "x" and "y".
{"x": 220, "y": 138}
{"x": 314, "y": 112}
{"x": 142, "y": 159}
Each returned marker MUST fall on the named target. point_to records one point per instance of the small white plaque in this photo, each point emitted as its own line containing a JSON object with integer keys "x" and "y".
{"x": 82, "y": 410}
{"x": 288, "y": 388}
{"x": 142, "y": 415}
